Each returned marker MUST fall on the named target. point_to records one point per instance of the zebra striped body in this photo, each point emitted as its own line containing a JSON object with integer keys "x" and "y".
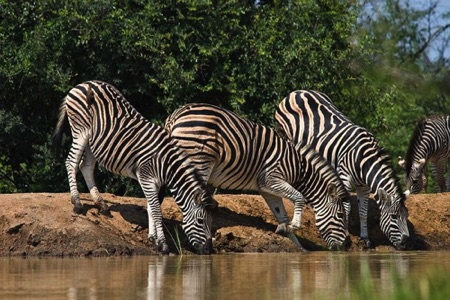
{"x": 233, "y": 153}
{"x": 310, "y": 117}
{"x": 107, "y": 129}
{"x": 430, "y": 142}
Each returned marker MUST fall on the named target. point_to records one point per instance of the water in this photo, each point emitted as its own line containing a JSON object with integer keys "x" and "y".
{"x": 317, "y": 275}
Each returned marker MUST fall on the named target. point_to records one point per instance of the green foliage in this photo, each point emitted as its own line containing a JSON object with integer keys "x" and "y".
{"x": 241, "y": 55}
{"x": 429, "y": 286}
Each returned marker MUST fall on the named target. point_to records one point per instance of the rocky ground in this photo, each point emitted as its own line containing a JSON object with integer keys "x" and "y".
{"x": 44, "y": 225}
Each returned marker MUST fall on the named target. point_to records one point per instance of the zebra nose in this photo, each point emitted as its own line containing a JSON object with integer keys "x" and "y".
{"x": 401, "y": 245}
{"x": 347, "y": 243}
{"x": 344, "y": 246}
{"x": 206, "y": 248}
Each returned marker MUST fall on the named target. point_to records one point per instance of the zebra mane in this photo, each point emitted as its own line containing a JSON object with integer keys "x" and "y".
{"x": 386, "y": 159}
{"x": 120, "y": 97}
{"x": 414, "y": 140}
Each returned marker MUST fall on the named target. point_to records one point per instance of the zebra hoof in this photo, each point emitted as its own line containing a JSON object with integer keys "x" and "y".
{"x": 163, "y": 248}
{"x": 104, "y": 209}
{"x": 106, "y": 212}
{"x": 102, "y": 206}
{"x": 78, "y": 209}
{"x": 281, "y": 229}
{"x": 304, "y": 250}
{"x": 366, "y": 244}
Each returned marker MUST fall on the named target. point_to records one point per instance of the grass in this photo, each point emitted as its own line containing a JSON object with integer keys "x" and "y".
{"x": 176, "y": 240}
{"x": 434, "y": 285}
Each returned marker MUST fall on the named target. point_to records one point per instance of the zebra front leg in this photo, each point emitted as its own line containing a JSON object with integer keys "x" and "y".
{"x": 155, "y": 228}
{"x": 296, "y": 219}
{"x": 438, "y": 169}
{"x": 87, "y": 167}
{"x": 448, "y": 175}
{"x": 155, "y": 224}
{"x": 363, "y": 203}
{"x": 275, "y": 204}
{"x": 347, "y": 208}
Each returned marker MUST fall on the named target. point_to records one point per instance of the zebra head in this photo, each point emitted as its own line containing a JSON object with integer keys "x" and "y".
{"x": 197, "y": 221}
{"x": 331, "y": 219}
{"x": 414, "y": 178}
{"x": 394, "y": 216}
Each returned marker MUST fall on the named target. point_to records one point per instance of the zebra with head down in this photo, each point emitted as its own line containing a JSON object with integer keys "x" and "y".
{"x": 312, "y": 118}
{"x": 106, "y": 128}
{"x": 237, "y": 154}
{"x": 430, "y": 142}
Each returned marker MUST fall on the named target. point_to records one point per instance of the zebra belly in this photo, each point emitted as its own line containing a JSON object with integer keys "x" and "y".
{"x": 126, "y": 170}
{"x": 224, "y": 181}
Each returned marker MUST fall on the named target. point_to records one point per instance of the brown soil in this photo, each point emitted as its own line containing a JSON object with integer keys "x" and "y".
{"x": 44, "y": 225}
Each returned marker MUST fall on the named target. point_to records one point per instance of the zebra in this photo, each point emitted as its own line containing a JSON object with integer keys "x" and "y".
{"x": 430, "y": 142}
{"x": 236, "y": 154}
{"x": 424, "y": 176}
{"x": 311, "y": 117}
{"x": 106, "y": 128}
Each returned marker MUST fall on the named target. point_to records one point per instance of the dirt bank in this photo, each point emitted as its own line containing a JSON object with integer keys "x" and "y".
{"x": 44, "y": 225}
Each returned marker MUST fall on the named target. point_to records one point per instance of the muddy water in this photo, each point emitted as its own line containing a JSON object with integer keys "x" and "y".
{"x": 320, "y": 275}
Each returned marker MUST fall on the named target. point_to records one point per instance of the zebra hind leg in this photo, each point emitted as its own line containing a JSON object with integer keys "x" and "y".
{"x": 72, "y": 161}
{"x": 87, "y": 167}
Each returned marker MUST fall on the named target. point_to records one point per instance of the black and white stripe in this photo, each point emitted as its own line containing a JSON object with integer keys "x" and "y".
{"x": 106, "y": 128}
{"x": 237, "y": 154}
{"x": 311, "y": 117}
{"x": 430, "y": 142}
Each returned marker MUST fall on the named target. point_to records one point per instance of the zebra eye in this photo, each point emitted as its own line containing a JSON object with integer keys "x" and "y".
{"x": 393, "y": 216}
{"x": 200, "y": 221}
{"x": 340, "y": 215}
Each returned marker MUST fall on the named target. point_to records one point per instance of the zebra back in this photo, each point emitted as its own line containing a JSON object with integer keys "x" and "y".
{"x": 242, "y": 150}
{"x": 310, "y": 117}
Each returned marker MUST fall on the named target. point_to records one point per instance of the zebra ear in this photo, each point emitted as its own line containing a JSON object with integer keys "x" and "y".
{"x": 332, "y": 191}
{"x": 383, "y": 196}
{"x": 197, "y": 197}
{"x": 401, "y": 162}
{"x": 422, "y": 162}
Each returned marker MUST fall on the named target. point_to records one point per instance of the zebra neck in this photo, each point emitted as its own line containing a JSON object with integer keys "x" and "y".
{"x": 181, "y": 178}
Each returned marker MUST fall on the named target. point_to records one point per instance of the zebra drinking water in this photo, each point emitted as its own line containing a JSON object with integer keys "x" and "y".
{"x": 233, "y": 153}
{"x": 106, "y": 128}
{"x": 311, "y": 117}
{"x": 430, "y": 142}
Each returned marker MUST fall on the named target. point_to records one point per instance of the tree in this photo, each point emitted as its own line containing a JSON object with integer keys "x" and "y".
{"x": 242, "y": 55}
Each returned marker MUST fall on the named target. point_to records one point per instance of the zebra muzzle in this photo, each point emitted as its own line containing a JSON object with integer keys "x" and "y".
{"x": 206, "y": 248}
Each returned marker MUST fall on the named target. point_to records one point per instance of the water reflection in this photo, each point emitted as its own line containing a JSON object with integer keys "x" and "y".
{"x": 323, "y": 275}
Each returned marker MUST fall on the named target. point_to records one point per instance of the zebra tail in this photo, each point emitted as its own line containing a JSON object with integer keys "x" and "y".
{"x": 89, "y": 96}
{"x": 59, "y": 130}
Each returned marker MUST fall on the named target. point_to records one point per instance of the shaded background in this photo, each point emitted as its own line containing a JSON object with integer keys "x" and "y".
{"x": 384, "y": 64}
